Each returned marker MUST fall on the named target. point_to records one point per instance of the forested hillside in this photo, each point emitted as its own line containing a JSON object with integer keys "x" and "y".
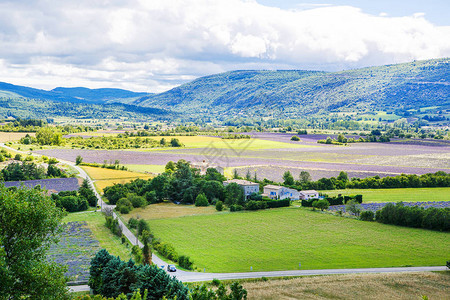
{"x": 403, "y": 86}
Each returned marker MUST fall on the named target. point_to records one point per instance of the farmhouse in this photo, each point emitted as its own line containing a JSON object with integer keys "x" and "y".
{"x": 248, "y": 186}
{"x": 280, "y": 192}
{"x": 309, "y": 194}
{"x": 204, "y": 165}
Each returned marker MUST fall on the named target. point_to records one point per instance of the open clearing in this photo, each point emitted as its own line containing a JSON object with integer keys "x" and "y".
{"x": 280, "y": 239}
{"x": 13, "y": 136}
{"x": 397, "y": 195}
{"x": 168, "y": 209}
{"x": 403, "y": 286}
{"x": 96, "y": 223}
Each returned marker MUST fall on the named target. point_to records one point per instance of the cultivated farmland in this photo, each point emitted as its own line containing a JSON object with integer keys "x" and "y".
{"x": 397, "y": 195}
{"x": 280, "y": 239}
{"x": 106, "y": 177}
{"x": 270, "y": 154}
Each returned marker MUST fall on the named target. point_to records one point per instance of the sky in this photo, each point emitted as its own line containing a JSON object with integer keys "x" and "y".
{"x": 155, "y": 45}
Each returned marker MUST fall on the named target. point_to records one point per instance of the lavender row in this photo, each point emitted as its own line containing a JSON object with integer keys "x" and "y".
{"x": 75, "y": 249}
{"x": 377, "y": 206}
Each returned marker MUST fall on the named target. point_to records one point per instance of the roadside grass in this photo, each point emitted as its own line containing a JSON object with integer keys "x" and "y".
{"x": 13, "y": 136}
{"x": 106, "y": 177}
{"x": 354, "y": 286}
{"x": 167, "y": 209}
{"x": 146, "y": 168}
{"x": 396, "y": 195}
{"x": 280, "y": 239}
{"x": 107, "y": 240}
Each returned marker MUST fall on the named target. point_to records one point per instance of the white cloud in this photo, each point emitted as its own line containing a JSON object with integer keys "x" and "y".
{"x": 155, "y": 45}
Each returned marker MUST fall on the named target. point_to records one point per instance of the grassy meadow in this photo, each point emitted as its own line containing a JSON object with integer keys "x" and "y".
{"x": 168, "y": 209}
{"x": 397, "y": 195}
{"x": 107, "y": 240}
{"x": 402, "y": 286}
{"x": 280, "y": 239}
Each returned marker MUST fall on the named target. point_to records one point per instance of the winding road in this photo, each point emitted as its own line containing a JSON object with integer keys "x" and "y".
{"x": 185, "y": 276}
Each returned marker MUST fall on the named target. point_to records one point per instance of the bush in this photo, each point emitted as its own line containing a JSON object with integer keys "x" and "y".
{"x": 18, "y": 157}
{"x": 185, "y": 262}
{"x": 165, "y": 249}
{"x": 367, "y": 215}
{"x": 78, "y": 160}
{"x": 133, "y": 223}
{"x": 255, "y": 205}
{"x": 321, "y": 204}
{"x": 141, "y": 226}
{"x": 219, "y": 206}
{"x": 295, "y": 138}
{"x": 278, "y": 203}
{"x": 124, "y": 206}
{"x": 137, "y": 201}
{"x": 151, "y": 197}
{"x": 236, "y": 207}
{"x": 431, "y": 218}
{"x": 201, "y": 200}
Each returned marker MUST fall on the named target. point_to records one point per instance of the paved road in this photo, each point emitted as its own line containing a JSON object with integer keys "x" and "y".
{"x": 199, "y": 276}
{"x": 196, "y": 276}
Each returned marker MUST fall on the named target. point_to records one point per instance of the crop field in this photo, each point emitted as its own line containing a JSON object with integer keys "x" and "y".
{"x": 105, "y": 177}
{"x": 401, "y": 286}
{"x": 155, "y": 169}
{"x": 374, "y": 206}
{"x": 13, "y": 136}
{"x": 396, "y": 195}
{"x": 280, "y": 239}
{"x": 75, "y": 249}
{"x": 96, "y": 224}
{"x": 270, "y": 154}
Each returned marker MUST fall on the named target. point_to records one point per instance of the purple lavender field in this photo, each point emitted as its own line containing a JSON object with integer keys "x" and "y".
{"x": 359, "y": 159}
{"x": 377, "y": 206}
{"x": 75, "y": 249}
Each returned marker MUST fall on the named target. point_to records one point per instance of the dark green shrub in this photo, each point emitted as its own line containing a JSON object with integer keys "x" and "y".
{"x": 255, "y": 205}
{"x": 295, "y": 138}
{"x": 216, "y": 282}
{"x": 142, "y": 225}
{"x": 236, "y": 207}
{"x": 151, "y": 197}
{"x": 321, "y": 204}
{"x": 133, "y": 223}
{"x": 185, "y": 262}
{"x": 201, "y": 200}
{"x": 367, "y": 215}
{"x": 137, "y": 201}
{"x": 219, "y": 206}
{"x": 278, "y": 203}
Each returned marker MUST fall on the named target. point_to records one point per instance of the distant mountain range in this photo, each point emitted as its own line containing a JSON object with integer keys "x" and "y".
{"x": 76, "y": 94}
{"x": 284, "y": 93}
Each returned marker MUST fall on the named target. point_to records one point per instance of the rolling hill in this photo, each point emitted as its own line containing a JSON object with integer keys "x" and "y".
{"x": 404, "y": 86}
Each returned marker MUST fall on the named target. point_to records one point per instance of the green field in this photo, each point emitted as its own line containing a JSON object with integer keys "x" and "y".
{"x": 107, "y": 240}
{"x": 280, "y": 239}
{"x": 397, "y": 195}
